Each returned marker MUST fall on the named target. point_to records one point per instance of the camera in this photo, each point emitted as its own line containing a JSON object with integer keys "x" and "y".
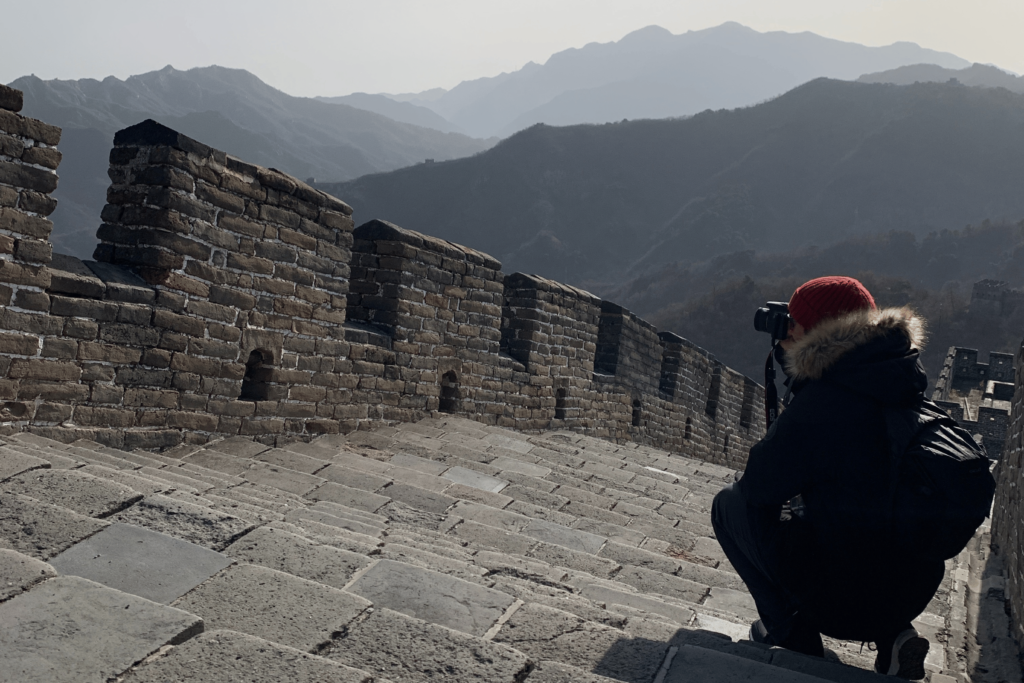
{"x": 773, "y": 319}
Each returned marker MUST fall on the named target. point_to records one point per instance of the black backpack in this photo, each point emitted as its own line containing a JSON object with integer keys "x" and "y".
{"x": 940, "y": 485}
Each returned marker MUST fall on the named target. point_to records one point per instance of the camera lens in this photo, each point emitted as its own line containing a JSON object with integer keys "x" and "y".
{"x": 761, "y": 319}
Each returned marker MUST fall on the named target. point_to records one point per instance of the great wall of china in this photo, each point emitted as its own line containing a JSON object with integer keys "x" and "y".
{"x": 230, "y": 300}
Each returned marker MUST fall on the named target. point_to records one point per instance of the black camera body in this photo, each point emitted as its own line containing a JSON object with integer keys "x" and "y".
{"x": 774, "y": 319}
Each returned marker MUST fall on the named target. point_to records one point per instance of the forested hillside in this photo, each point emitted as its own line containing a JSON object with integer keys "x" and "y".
{"x": 712, "y": 303}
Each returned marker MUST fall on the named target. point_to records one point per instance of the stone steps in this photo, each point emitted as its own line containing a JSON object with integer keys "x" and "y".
{"x": 338, "y": 572}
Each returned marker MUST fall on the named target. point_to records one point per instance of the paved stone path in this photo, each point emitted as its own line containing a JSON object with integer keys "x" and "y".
{"x": 441, "y": 549}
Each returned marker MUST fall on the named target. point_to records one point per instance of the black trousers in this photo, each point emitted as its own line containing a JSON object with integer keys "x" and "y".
{"x": 868, "y": 598}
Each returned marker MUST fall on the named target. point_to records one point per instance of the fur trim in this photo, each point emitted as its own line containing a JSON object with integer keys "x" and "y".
{"x": 830, "y": 339}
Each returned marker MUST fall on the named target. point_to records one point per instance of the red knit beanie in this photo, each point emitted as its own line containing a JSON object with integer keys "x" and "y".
{"x": 828, "y": 297}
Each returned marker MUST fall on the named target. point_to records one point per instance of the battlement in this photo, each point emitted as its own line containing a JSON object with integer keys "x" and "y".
{"x": 230, "y": 299}
{"x": 977, "y": 395}
{"x": 994, "y": 298}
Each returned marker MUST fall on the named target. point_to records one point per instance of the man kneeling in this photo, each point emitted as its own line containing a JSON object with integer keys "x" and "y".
{"x": 824, "y": 567}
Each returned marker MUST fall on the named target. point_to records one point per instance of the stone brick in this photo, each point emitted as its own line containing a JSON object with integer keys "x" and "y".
{"x": 29, "y": 128}
{"x": 30, "y": 178}
{"x": 19, "y": 344}
{"x": 109, "y": 353}
{"x": 32, "y": 300}
{"x": 45, "y": 370}
{"x": 43, "y": 156}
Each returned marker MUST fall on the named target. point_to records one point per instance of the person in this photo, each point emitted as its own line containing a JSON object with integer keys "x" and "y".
{"x": 804, "y": 526}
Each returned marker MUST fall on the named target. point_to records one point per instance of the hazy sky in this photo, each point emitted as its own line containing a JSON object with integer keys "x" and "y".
{"x": 334, "y": 47}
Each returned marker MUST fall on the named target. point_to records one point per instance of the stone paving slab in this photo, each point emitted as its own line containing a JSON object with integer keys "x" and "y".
{"x": 340, "y": 473}
{"x": 573, "y": 559}
{"x": 413, "y": 651}
{"x": 823, "y": 668}
{"x": 327, "y": 518}
{"x": 520, "y": 467}
{"x": 349, "y": 497}
{"x": 74, "y": 630}
{"x": 290, "y": 460}
{"x": 574, "y": 539}
{"x": 732, "y": 601}
{"x": 273, "y": 605}
{"x": 20, "y": 572}
{"x": 208, "y": 527}
{"x": 232, "y": 657}
{"x": 558, "y": 598}
{"x": 218, "y": 461}
{"x": 328, "y": 536}
{"x": 239, "y": 446}
{"x": 432, "y": 597}
{"x": 414, "y": 462}
{"x": 486, "y": 535}
{"x": 554, "y": 672}
{"x": 483, "y": 514}
{"x": 13, "y": 463}
{"x": 297, "y": 555}
{"x": 542, "y": 513}
{"x": 85, "y": 494}
{"x": 475, "y": 495}
{"x": 282, "y": 478}
{"x": 466, "y": 477}
{"x": 419, "y": 498}
{"x": 337, "y": 510}
{"x": 141, "y": 562}
{"x": 649, "y": 581}
{"x": 692, "y": 664}
{"x": 603, "y": 594}
{"x": 41, "y": 530}
{"x": 613, "y": 532}
{"x": 180, "y": 478}
{"x": 439, "y": 559}
{"x": 219, "y": 479}
{"x": 313, "y": 450}
{"x": 429, "y": 482}
{"x": 546, "y": 633}
{"x": 57, "y": 460}
{"x": 132, "y": 480}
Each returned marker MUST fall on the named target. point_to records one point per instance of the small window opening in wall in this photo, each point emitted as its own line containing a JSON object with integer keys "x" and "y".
{"x": 560, "y": 396}
{"x": 636, "y": 412}
{"x": 725, "y": 448}
{"x": 254, "y": 388}
{"x": 689, "y": 429}
{"x": 449, "y": 392}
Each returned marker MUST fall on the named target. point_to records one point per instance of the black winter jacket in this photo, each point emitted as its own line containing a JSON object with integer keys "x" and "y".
{"x": 829, "y": 445}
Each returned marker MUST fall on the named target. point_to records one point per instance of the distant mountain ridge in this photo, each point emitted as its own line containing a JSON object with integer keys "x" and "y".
{"x": 598, "y": 205}
{"x": 975, "y": 75}
{"x": 396, "y": 110}
{"x": 230, "y": 109}
{"x": 652, "y": 73}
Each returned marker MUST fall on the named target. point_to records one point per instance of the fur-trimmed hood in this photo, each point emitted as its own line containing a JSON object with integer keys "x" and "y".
{"x": 831, "y": 340}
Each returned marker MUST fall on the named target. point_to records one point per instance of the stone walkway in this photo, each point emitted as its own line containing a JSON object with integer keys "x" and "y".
{"x": 444, "y": 549}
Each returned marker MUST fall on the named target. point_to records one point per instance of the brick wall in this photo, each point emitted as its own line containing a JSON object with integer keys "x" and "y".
{"x": 226, "y": 298}
{"x": 974, "y": 394}
{"x": 1008, "y": 508}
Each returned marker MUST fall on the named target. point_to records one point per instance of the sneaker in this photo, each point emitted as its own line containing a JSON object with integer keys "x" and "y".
{"x": 903, "y": 657}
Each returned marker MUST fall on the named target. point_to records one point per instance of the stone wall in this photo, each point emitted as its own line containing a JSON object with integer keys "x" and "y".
{"x": 230, "y": 299}
{"x": 977, "y": 395}
{"x": 1008, "y": 508}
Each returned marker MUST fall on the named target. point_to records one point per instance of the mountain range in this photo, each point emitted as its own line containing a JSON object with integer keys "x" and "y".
{"x": 976, "y": 75}
{"x": 596, "y": 205}
{"x": 652, "y": 73}
{"x": 230, "y": 109}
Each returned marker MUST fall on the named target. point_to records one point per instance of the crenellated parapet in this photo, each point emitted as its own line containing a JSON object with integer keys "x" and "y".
{"x": 231, "y": 299}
